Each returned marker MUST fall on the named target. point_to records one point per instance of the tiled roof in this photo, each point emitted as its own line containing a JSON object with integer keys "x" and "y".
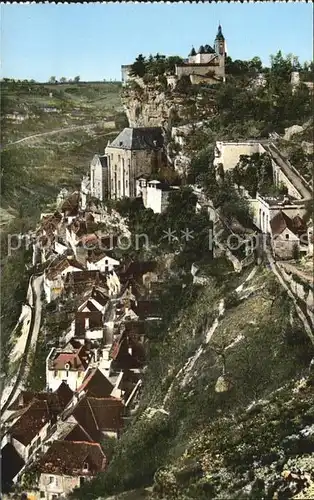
{"x": 80, "y": 280}
{"x": 77, "y": 433}
{"x": 33, "y": 419}
{"x": 77, "y": 361}
{"x": 97, "y": 415}
{"x": 96, "y": 385}
{"x": 282, "y": 221}
{"x": 68, "y": 458}
{"x": 61, "y": 264}
{"x": 39, "y": 408}
{"x": 50, "y": 223}
{"x": 142, "y": 138}
{"x": 100, "y": 295}
{"x": 71, "y": 204}
{"x": 79, "y": 227}
{"x": 88, "y": 240}
{"x": 121, "y": 356}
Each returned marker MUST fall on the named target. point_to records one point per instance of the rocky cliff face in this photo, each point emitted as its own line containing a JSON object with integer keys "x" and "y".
{"x": 149, "y": 107}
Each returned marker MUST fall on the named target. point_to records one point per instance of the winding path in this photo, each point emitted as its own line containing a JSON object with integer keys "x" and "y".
{"x": 21, "y": 377}
{"x": 56, "y": 131}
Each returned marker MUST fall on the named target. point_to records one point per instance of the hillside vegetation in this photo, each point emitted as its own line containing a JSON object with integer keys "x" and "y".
{"x": 63, "y": 127}
{"x": 189, "y": 441}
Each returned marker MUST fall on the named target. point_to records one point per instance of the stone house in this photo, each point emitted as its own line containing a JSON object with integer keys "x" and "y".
{"x": 56, "y": 272}
{"x": 95, "y": 298}
{"x": 68, "y": 365}
{"x": 99, "y": 177}
{"x": 78, "y": 282}
{"x": 286, "y": 234}
{"x": 100, "y": 417}
{"x": 266, "y": 207}
{"x": 34, "y": 415}
{"x": 102, "y": 262}
{"x": 155, "y": 194}
{"x": 127, "y": 353}
{"x": 67, "y": 465}
{"x": 88, "y": 325}
{"x": 228, "y": 154}
{"x": 133, "y": 152}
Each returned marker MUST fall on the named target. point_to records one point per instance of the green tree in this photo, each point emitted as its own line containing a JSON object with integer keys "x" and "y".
{"x": 63, "y": 79}
{"x": 77, "y": 79}
{"x": 121, "y": 121}
{"x": 171, "y": 63}
{"x": 138, "y": 68}
{"x": 52, "y": 79}
{"x": 281, "y": 66}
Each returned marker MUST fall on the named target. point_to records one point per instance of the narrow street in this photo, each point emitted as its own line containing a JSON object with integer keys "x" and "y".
{"x": 31, "y": 343}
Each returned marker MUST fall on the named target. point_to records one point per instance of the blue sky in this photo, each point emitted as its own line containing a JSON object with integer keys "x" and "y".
{"x": 93, "y": 40}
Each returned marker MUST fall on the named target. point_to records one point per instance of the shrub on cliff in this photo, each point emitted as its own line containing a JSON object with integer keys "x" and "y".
{"x": 184, "y": 85}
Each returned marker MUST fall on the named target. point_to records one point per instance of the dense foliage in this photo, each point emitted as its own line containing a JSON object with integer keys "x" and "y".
{"x": 178, "y": 229}
{"x": 154, "y": 66}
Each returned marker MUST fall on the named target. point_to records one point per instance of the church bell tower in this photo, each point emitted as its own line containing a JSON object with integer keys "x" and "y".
{"x": 220, "y": 43}
{"x": 220, "y": 49}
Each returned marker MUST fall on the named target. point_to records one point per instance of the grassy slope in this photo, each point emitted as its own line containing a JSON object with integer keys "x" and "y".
{"x": 203, "y": 433}
{"x": 78, "y": 104}
{"x": 36, "y": 169}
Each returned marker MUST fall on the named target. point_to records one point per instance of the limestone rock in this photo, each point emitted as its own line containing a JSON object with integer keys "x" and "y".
{"x": 223, "y": 384}
{"x": 290, "y": 131}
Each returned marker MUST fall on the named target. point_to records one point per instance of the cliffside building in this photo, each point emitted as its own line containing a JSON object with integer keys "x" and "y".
{"x": 207, "y": 65}
{"x": 99, "y": 177}
{"x": 134, "y": 152}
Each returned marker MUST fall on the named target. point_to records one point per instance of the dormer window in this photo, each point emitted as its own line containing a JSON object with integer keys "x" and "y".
{"x": 85, "y": 467}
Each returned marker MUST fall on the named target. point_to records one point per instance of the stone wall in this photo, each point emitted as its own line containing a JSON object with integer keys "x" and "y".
{"x": 126, "y": 165}
{"x": 283, "y": 247}
{"x": 281, "y": 178}
{"x": 199, "y": 70}
{"x": 302, "y": 289}
{"x": 208, "y": 80}
{"x": 228, "y": 153}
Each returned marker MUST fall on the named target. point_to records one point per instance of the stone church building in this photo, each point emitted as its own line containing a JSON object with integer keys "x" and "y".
{"x": 207, "y": 65}
{"x": 133, "y": 153}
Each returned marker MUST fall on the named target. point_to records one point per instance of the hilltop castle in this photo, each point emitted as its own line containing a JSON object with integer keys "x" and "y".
{"x": 207, "y": 65}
